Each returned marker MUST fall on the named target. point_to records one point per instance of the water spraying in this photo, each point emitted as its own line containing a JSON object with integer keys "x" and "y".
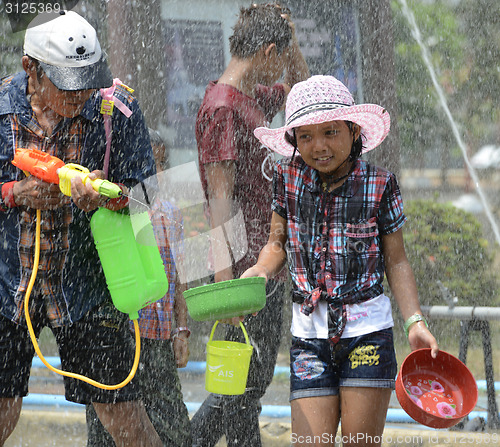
{"x": 442, "y": 99}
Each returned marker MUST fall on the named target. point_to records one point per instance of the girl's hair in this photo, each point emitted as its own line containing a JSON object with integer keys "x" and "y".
{"x": 357, "y": 145}
{"x": 356, "y": 149}
{"x": 258, "y": 25}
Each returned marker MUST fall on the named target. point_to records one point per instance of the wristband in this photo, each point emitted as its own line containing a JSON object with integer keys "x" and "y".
{"x": 7, "y": 195}
{"x": 181, "y": 329}
{"x": 413, "y": 319}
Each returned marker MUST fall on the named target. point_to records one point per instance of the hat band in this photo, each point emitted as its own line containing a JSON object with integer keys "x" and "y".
{"x": 315, "y": 108}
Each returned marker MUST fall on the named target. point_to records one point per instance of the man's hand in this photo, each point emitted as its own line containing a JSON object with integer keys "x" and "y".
{"x": 36, "y": 193}
{"x": 181, "y": 350}
{"x": 84, "y": 196}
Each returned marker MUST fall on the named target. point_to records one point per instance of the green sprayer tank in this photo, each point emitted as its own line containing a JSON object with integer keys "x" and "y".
{"x": 130, "y": 260}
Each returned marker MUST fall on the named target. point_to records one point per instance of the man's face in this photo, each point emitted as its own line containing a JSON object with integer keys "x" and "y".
{"x": 63, "y": 102}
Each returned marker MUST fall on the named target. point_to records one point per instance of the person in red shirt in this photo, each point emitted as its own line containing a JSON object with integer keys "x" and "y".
{"x": 236, "y": 173}
{"x": 163, "y": 348}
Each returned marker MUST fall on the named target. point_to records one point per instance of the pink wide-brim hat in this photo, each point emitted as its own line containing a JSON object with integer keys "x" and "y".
{"x": 320, "y": 99}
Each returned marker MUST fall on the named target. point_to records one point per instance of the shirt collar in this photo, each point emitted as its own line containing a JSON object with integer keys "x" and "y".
{"x": 17, "y": 102}
{"x": 313, "y": 182}
{"x": 13, "y": 97}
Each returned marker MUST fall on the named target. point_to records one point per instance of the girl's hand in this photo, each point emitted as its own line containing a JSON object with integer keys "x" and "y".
{"x": 235, "y": 321}
{"x": 420, "y": 337}
{"x": 256, "y": 270}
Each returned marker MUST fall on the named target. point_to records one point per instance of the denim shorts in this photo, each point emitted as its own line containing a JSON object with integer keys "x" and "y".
{"x": 99, "y": 346}
{"x": 319, "y": 369}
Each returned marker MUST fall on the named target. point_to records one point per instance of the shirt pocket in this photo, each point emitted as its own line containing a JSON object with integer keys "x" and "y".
{"x": 362, "y": 238}
{"x": 356, "y": 249}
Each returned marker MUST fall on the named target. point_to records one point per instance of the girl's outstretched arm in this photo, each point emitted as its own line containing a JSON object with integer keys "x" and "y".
{"x": 404, "y": 288}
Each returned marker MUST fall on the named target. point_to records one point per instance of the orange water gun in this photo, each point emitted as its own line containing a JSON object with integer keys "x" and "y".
{"x": 53, "y": 170}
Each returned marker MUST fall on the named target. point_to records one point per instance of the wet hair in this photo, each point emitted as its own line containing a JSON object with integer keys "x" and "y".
{"x": 357, "y": 145}
{"x": 258, "y": 25}
{"x": 38, "y": 68}
{"x": 158, "y": 142}
{"x": 155, "y": 137}
{"x": 291, "y": 138}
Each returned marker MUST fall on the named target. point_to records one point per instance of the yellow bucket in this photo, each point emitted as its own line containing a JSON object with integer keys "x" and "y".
{"x": 227, "y": 365}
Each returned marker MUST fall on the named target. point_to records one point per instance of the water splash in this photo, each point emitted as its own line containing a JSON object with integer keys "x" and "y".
{"x": 415, "y": 31}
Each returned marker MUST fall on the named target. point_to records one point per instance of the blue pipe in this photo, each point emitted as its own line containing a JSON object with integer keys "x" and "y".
{"x": 199, "y": 368}
{"x": 394, "y": 415}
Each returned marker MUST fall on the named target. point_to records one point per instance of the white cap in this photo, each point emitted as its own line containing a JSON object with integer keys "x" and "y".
{"x": 68, "y": 50}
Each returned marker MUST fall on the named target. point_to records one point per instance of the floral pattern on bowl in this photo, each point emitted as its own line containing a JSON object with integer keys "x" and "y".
{"x": 431, "y": 396}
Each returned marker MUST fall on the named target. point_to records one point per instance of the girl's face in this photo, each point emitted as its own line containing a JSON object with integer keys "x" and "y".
{"x": 326, "y": 146}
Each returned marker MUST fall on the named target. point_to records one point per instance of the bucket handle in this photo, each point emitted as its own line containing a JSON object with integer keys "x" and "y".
{"x": 242, "y": 328}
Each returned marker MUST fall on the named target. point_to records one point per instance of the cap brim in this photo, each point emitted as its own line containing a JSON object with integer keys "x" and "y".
{"x": 374, "y": 121}
{"x": 92, "y": 76}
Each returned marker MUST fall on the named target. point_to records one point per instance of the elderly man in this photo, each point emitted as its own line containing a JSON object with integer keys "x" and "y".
{"x": 54, "y": 106}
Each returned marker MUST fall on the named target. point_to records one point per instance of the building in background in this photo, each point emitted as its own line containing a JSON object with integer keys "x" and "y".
{"x": 330, "y": 35}
{"x": 168, "y": 51}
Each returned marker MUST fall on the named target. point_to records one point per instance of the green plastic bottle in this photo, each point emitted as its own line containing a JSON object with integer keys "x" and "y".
{"x": 134, "y": 271}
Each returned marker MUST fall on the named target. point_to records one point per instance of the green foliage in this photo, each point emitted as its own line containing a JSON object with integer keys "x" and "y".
{"x": 446, "y": 244}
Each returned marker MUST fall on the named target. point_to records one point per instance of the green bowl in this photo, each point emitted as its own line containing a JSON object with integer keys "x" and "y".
{"x": 226, "y": 299}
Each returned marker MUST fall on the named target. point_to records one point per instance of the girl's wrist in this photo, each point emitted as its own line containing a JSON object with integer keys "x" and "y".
{"x": 415, "y": 318}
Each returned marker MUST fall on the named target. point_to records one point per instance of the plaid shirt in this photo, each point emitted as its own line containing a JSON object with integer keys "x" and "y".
{"x": 155, "y": 320}
{"x": 334, "y": 238}
{"x": 66, "y": 144}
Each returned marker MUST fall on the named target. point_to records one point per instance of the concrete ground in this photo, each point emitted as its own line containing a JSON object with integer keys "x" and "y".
{"x": 58, "y": 428}
{"x": 54, "y": 423}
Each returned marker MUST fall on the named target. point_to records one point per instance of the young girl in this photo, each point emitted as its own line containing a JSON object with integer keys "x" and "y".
{"x": 337, "y": 222}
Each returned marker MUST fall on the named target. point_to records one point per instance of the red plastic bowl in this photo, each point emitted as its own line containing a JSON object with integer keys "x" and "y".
{"x": 438, "y": 392}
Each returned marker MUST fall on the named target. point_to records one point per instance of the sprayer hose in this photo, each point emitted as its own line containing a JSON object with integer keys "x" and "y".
{"x": 33, "y": 337}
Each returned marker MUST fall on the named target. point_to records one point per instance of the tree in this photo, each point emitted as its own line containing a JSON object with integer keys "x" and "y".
{"x": 137, "y": 55}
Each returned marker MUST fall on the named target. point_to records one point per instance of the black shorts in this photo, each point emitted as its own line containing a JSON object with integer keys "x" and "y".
{"x": 99, "y": 346}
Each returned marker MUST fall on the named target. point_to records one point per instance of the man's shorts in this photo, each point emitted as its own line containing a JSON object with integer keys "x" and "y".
{"x": 319, "y": 369}
{"x": 99, "y": 346}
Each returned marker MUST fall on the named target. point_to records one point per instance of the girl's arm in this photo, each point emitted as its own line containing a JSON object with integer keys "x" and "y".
{"x": 404, "y": 288}
{"x": 272, "y": 257}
